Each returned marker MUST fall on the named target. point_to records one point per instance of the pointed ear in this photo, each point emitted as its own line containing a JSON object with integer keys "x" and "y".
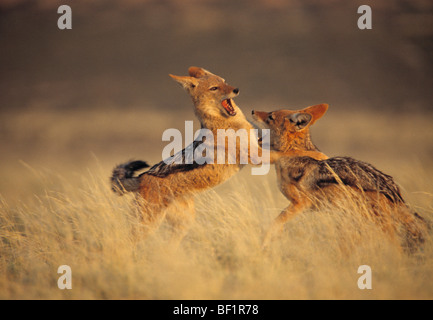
{"x": 197, "y": 72}
{"x": 186, "y": 82}
{"x": 316, "y": 111}
{"x": 299, "y": 120}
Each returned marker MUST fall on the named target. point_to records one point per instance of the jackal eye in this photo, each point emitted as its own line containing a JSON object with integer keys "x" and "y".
{"x": 213, "y": 88}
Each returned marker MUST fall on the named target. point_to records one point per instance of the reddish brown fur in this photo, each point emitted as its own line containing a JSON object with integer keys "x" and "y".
{"x": 309, "y": 179}
{"x": 174, "y": 185}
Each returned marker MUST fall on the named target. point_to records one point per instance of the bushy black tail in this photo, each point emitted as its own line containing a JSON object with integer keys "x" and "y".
{"x": 123, "y": 180}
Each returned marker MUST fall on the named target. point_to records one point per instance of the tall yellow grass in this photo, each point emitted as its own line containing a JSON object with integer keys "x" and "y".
{"x": 87, "y": 227}
{"x": 54, "y": 211}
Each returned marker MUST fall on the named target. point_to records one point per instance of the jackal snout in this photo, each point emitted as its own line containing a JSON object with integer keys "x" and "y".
{"x": 228, "y": 91}
{"x": 259, "y": 115}
{"x": 231, "y": 91}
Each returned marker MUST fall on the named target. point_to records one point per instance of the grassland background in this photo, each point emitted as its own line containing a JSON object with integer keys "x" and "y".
{"x": 75, "y": 103}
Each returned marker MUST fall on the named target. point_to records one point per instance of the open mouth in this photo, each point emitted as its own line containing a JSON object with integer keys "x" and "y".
{"x": 227, "y": 104}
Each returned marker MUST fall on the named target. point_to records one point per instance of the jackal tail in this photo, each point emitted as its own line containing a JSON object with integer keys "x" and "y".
{"x": 123, "y": 180}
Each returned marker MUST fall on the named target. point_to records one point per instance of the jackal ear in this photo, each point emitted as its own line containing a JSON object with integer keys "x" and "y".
{"x": 197, "y": 72}
{"x": 186, "y": 82}
{"x": 299, "y": 120}
{"x": 317, "y": 111}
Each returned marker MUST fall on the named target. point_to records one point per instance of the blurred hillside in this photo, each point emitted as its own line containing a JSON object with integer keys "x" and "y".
{"x": 280, "y": 53}
{"x": 101, "y": 92}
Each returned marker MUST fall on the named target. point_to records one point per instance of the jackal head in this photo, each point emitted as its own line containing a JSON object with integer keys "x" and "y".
{"x": 210, "y": 93}
{"x": 290, "y": 129}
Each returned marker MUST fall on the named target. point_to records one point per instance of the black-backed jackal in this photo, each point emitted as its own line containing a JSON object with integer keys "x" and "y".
{"x": 169, "y": 186}
{"x": 308, "y": 178}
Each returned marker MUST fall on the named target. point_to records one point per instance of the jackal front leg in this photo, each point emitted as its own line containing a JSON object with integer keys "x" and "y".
{"x": 278, "y": 224}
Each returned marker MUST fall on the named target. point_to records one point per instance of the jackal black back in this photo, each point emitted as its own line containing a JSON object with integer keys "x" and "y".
{"x": 343, "y": 170}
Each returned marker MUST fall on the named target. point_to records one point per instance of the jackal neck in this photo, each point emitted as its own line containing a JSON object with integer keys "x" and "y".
{"x": 302, "y": 142}
{"x": 213, "y": 118}
{"x": 213, "y": 123}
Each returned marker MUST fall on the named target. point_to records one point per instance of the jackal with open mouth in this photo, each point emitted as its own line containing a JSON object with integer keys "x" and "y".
{"x": 168, "y": 187}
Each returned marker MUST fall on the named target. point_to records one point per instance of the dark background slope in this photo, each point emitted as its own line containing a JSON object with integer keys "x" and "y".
{"x": 286, "y": 53}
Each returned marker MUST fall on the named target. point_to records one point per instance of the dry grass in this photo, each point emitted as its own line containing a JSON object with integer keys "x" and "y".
{"x": 74, "y": 219}
{"x": 89, "y": 229}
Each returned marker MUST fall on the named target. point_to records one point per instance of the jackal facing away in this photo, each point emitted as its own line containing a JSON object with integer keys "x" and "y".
{"x": 309, "y": 179}
{"x": 168, "y": 187}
